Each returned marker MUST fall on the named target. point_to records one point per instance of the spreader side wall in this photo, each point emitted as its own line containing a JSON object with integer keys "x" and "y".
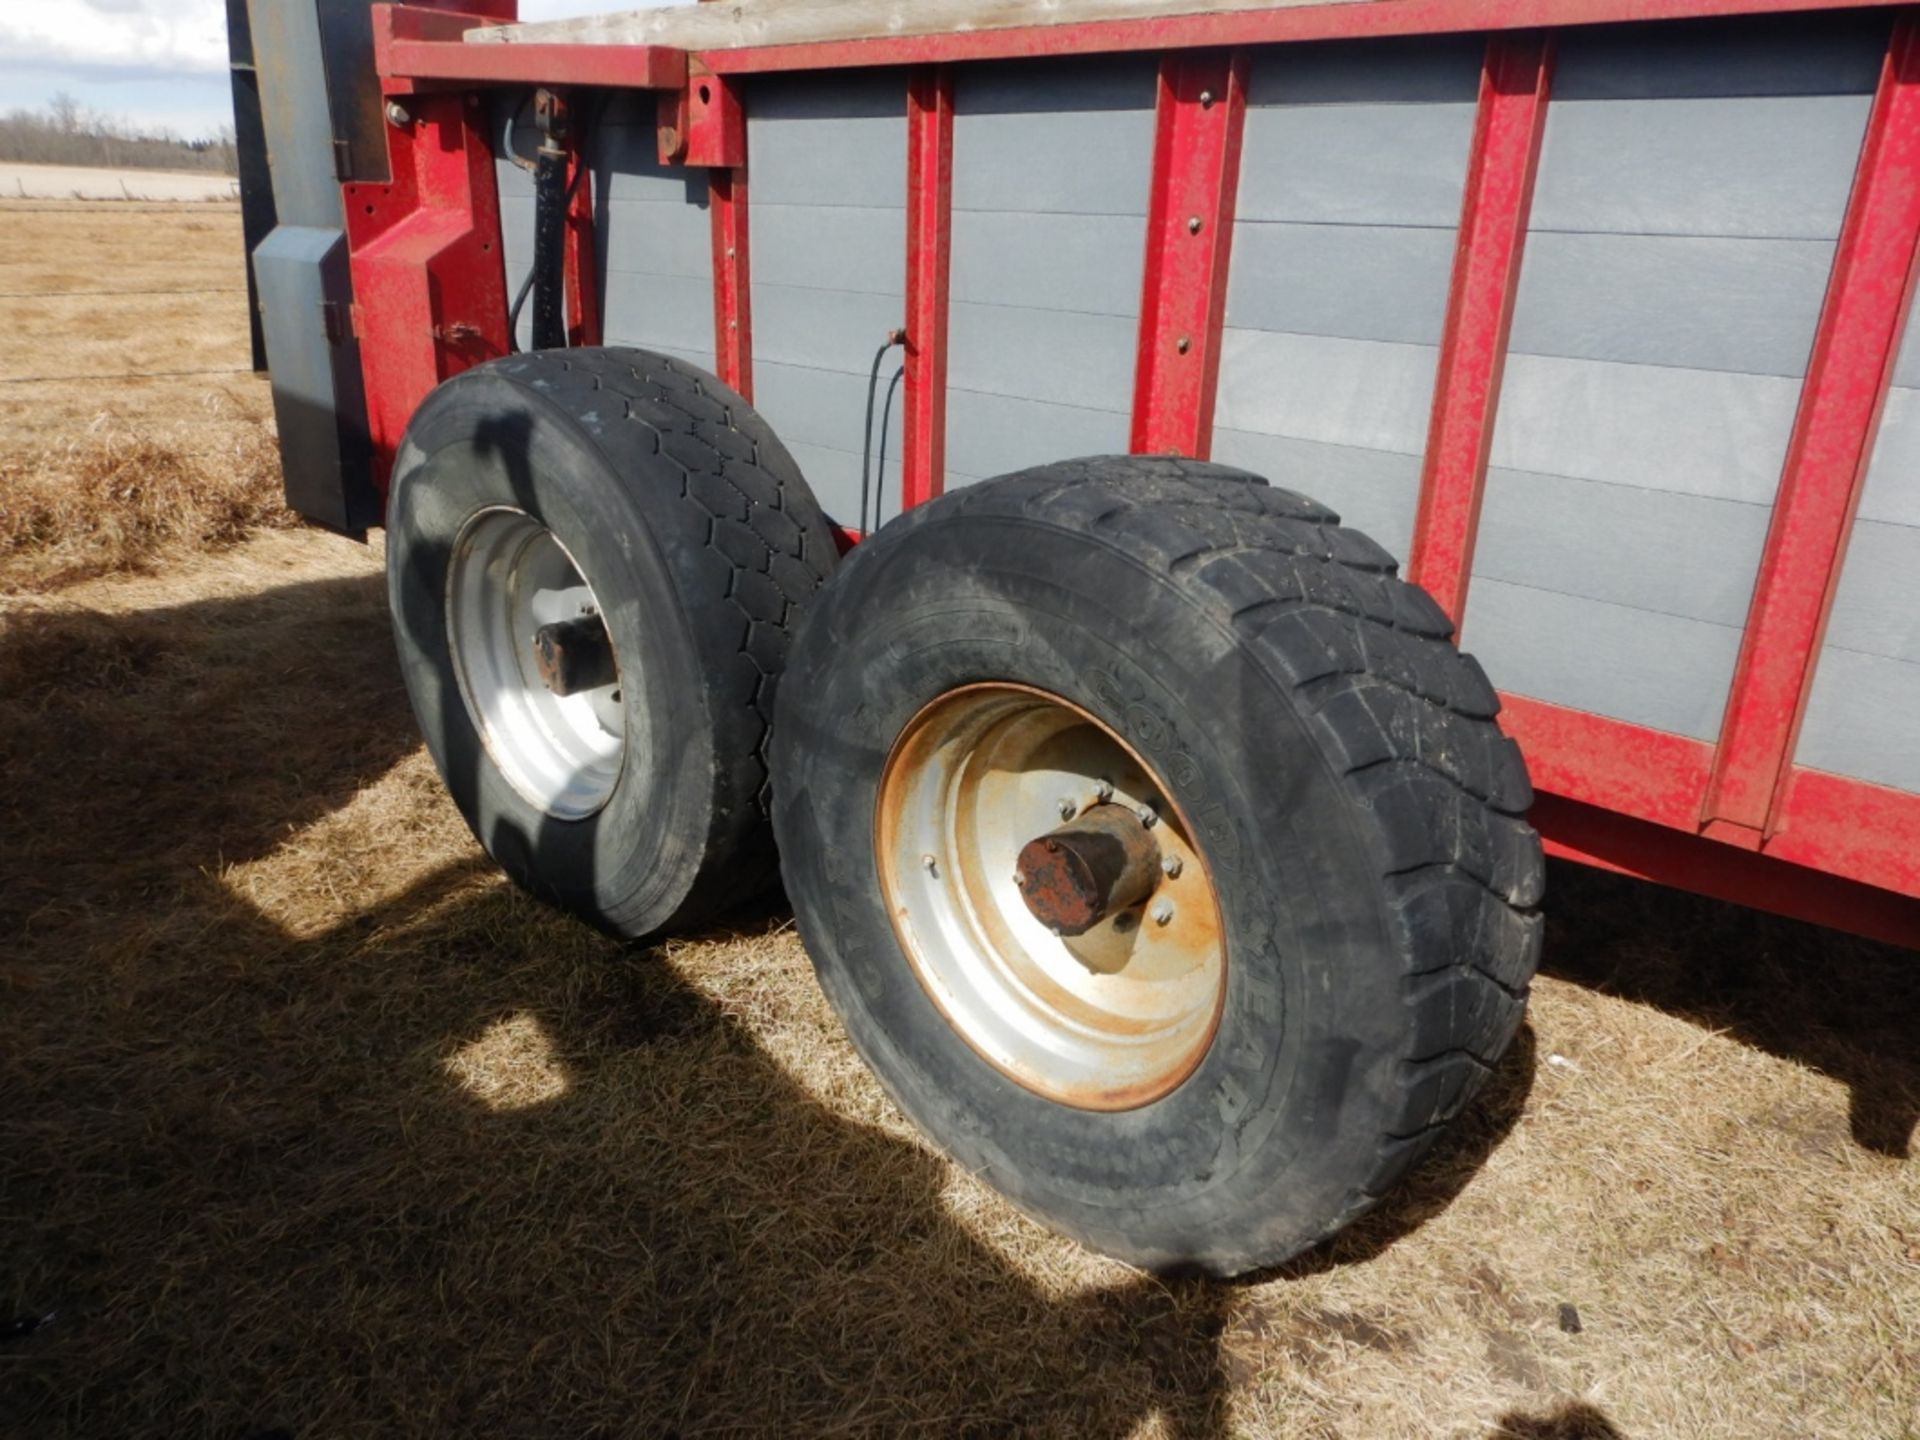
{"x": 1692, "y": 183}
{"x": 1347, "y": 215}
{"x": 1863, "y": 719}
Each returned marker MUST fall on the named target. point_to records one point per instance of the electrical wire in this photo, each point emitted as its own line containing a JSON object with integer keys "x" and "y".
{"x": 894, "y": 337}
{"x": 880, "y": 467}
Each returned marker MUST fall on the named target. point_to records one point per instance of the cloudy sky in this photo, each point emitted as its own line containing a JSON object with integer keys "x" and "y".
{"x": 158, "y": 63}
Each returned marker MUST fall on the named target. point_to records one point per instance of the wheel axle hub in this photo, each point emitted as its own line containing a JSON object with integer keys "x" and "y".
{"x": 1076, "y": 876}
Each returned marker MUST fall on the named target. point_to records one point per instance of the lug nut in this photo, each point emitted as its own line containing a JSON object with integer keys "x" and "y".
{"x": 1148, "y": 817}
{"x": 1103, "y": 790}
{"x": 1068, "y": 809}
{"x": 1163, "y": 912}
{"x": 1019, "y": 881}
{"x": 1170, "y": 866}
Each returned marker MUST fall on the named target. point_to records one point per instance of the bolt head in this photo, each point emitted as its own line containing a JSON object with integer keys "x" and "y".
{"x": 1170, "y": 866}
{"x": 1193, "y": 224}
{"x": 397, "y": 114}
{"x": 1206, "y": 98}
{"x": 1162, "y": 912}
{"x": 1184, "y": 344}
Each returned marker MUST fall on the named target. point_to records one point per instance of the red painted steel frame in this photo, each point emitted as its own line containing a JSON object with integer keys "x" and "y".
{"x": 428, "y": 277}
{"x": 1514, "y": 81}
{"x": 1853, "y": 356}
{"x": 929, "y": 260}
{"x": 732, "y": 269}
{"x": 1200, "y": 117}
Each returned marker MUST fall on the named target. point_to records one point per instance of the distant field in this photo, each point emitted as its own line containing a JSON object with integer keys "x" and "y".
{"x": 312, "y": 1127}
{"x": 21, "y": 181}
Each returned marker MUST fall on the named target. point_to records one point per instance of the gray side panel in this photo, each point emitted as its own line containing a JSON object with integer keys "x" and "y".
{"x": 1863, "y": 717}
{"x": 829, "y": 155}
{"x": 1051, "y": 165}
{"x": 1691, "y": 182}
{"x": 1639, "y": 665}
{"x": 1349, "y": 199}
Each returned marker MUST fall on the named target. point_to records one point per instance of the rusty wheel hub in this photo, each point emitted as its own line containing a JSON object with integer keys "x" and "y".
{"x": 1049, "y": 897}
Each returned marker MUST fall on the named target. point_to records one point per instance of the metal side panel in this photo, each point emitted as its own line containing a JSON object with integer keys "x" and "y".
{"x": 1692, "y": 181}
{"x": 317, "y": 388}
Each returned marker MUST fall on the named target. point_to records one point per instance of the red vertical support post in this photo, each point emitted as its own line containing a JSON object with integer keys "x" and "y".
{"x": 929, "y": 260}
{"x": 1199, "y": 118}
{"x": 1515, "y": 79}
{"x": 582, "y": 256}
{"x": 715, "y": 102}
{"x": 1854, "y": 350}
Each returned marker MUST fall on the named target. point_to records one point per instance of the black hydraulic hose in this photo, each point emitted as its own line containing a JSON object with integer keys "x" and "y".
{"x": 880, "y": 465}
{"x": 894, "y": 337}
{"x": 550, "y": 200}
{"x": 534, "y": 270}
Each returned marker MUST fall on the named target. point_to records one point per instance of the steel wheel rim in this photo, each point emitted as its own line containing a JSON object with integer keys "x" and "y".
{"x": 1109, "y": 1020}
{"x": 509, "y": 575}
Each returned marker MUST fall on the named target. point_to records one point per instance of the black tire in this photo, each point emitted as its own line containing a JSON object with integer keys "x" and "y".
{"x": 1359, "y": 808}
{"x": 703, "y": 546}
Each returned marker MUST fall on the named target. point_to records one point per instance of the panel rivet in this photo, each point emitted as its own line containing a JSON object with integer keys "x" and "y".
{"x": 1183, "y": 344}
{"x": 1193, "y": 224}
{"x": 1163, "y": 912}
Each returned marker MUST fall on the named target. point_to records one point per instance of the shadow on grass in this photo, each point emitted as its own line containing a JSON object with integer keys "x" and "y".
{"x": 1847, "y": 1007}
{"x": 452, "y": 1165}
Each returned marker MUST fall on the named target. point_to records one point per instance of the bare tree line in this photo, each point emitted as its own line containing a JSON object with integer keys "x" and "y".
{"x": 67, "y": 133}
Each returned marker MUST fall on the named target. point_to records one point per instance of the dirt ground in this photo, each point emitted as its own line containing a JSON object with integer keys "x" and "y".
{"x": 312, "y": 1127}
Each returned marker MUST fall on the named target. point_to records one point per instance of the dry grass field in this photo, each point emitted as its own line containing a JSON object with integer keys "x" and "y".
{"x": 311, "y": 1127}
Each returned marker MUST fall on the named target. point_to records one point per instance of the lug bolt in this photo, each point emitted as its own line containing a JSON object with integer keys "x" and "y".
{"x": 1163, "y": 912}
{"x": 1170, "y": 866}
{"x": 1103, "y": 790}
{"x": 1068, "y": 809}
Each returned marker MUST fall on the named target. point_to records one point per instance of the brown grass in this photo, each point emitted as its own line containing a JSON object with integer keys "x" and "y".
{"x": 311, "y": 1124}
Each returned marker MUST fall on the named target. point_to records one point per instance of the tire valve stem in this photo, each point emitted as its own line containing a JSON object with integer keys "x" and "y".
{"x": 1163, "y": 912}
{"x": 928, "y": 863}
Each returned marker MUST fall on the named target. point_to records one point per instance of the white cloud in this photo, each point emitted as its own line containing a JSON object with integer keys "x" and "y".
{"x": 147, "y": 35}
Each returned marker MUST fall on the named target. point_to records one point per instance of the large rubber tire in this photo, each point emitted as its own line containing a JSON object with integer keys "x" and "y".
{"x": 1358, "y": 807}
{"x": 703, "y": 546}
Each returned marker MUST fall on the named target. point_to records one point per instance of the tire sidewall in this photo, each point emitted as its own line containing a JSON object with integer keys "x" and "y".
{"x": 1273, "y": 1103}
{"x": 489, "y": 441}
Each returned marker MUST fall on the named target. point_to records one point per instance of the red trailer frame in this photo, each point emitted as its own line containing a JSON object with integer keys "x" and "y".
{"x": 1735, "y": 819}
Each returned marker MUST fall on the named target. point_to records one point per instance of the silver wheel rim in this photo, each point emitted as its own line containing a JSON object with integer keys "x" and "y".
{"x": 1109, "y": 1020}
{"x": 510, "y": 576}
